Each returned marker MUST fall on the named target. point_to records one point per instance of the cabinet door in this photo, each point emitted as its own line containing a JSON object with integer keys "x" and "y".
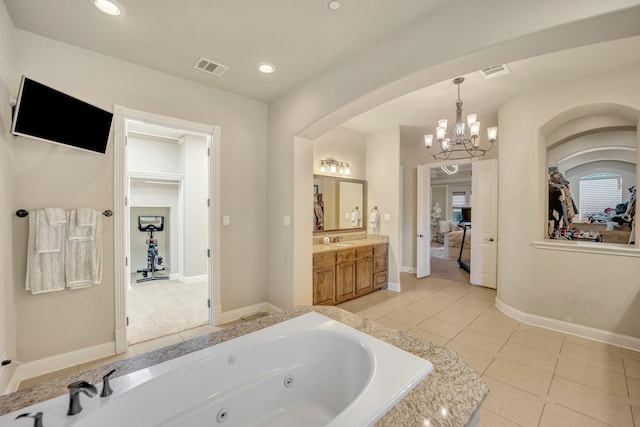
{"x": 364, "y": 276}
{"x": 380, "y": 280}
{"x": 324, "y": 280}
{"x": 345, "y": 281}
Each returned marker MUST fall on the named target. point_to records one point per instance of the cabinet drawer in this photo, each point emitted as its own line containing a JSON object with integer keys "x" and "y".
{"x": 345, "y": 256}
{"x": 364, "y": 252}
{"x": 380, "y": 249}
{"x": 324, "y": 258}
{"x": 380, "y": 264}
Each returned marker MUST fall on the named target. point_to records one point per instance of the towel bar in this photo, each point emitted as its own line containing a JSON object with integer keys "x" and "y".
{"x": 22, "y": 213}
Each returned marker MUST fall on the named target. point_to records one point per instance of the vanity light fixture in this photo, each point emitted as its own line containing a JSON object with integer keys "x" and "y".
{"x": 108, "y": 6}
{"x": 266, "y": 68}
{"x": 335, "y": 167}
{"x": 461, "y": 144}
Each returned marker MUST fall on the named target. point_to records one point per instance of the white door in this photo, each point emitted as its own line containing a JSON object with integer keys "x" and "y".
{"x": 423, "y": 214}
{"x": 484, "y": 223}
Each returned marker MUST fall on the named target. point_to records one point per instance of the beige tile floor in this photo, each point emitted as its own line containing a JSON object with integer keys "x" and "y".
{"x": 537, "y": 377}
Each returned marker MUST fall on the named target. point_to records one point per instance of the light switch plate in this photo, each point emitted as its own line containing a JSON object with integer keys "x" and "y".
{"x": 287, "y": 220}
{"x": 226, "y": 220}
{"x": 387, "y": 217}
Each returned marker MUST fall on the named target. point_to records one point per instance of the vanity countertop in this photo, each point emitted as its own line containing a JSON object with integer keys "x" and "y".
{"x": 450, "y": 396}
{"x": 349, "y": 244}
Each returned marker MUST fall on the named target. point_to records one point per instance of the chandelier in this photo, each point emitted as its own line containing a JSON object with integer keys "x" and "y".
{"x": 461, "y": 144}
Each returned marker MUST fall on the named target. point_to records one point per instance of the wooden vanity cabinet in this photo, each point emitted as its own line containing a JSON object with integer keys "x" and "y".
{"x": 341, "y": 275}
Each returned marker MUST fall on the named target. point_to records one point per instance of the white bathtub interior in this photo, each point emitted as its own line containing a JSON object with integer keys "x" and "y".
{"x": 309, "y": 370}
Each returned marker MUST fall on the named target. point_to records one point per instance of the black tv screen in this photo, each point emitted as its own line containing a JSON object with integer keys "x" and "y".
{"x": 466, "y": 214}
{"x": 49, "y": 115}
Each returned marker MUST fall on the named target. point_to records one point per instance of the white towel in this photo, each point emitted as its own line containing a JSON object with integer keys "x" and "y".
{"x": 56, "y": 216}
{"x": 86, "y": 217}
{"x": 355, "y": 218}
{"x": 45, "y": 271}
{"x": 77, "y": 232}
{"x": 47, "y": 238}
{"x": 83, "y": 263}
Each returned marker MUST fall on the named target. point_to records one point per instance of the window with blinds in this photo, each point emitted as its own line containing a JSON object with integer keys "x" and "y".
{"x": 599, "y": 192}
{"x": 458, "y": 200}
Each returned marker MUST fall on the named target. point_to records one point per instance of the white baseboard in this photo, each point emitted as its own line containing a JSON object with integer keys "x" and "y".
{"x": 588, "y": 332}
{"x": 35, "y": 368}
{"x": 393, "y": 286}
{"x": 194, "y": 279}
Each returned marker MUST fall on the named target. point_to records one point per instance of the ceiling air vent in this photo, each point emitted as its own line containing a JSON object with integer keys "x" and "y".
{"x": 498, "y": 70}
{"x": 208, "y": 66}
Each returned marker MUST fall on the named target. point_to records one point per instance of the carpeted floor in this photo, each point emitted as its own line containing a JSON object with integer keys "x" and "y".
{"x": 164, "y": 307}
{"x": 446, "y": 268}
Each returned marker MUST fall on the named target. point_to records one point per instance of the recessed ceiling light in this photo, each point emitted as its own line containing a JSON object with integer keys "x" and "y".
{"x": 334, "y": 5}
{"x": 266, "y": 68}
{"x": 108, "y": 6}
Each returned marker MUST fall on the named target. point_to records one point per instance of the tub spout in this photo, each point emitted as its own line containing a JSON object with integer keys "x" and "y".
{"x": 37, "y": 418}
{"x": 74, "y": 395}
{"x": 106, "y": 387}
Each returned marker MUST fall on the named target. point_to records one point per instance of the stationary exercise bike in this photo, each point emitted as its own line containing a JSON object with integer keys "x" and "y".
{"x": 149, "y": 224}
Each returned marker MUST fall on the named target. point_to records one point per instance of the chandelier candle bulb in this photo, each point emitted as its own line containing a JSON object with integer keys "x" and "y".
{"x": 443, "y": 124}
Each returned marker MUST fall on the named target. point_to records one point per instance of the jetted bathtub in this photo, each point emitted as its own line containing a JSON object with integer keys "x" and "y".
{"x": 307, "y": 371}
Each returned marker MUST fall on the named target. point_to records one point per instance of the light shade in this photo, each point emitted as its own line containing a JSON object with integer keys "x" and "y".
{"x": 492, "y": 133}
{"x": 428, "y": 140}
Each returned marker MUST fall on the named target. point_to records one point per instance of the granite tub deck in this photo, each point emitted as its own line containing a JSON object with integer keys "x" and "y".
{"x": 450, "y": 396}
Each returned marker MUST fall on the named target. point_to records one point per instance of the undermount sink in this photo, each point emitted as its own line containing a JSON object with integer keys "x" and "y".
{"x": 343, "y": 244}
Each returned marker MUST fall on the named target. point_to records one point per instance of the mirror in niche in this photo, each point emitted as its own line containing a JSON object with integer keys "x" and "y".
{"x": 339, "y": 204}
{"x": 592, "y": 188}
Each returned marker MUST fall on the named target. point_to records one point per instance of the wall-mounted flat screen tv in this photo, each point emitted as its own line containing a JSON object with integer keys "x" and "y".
{"x": 49, "y": 115}
{"x": 466, "y": 214}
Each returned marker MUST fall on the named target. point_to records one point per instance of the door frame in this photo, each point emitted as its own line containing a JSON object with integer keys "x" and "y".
{"x": 426, "y": 197}
{"x": 121, "y": 191}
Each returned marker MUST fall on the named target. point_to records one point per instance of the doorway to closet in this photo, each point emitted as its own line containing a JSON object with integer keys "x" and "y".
{"x": 166, "y": 173}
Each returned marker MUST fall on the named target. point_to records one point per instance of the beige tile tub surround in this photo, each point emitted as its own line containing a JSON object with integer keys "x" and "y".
{"x": 449, "y": 396}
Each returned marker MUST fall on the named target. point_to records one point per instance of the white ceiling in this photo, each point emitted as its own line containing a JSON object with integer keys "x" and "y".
{"x": 302, "y": 38}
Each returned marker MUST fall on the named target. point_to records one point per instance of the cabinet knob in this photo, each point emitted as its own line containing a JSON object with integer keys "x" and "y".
{"x": 490, "y": 239}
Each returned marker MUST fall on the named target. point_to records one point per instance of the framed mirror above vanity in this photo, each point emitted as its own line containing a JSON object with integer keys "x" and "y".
{"x": 339, "y": 204}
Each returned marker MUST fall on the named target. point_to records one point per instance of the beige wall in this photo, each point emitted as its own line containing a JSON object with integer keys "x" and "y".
{"x": 8, "y": 340}
{"x": 595, "y": 290}
{"x": 343, "y": 145}
{"x": 49, "y": 175}
{"x": 383, "y": 177}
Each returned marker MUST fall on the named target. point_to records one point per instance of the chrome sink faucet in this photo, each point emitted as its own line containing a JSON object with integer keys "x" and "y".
{"x": 337, "y": 239}
{"x": 74, "y": 395}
